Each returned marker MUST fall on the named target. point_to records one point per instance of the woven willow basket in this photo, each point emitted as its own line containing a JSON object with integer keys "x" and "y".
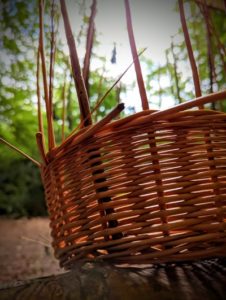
{"x": 141, "y": 190}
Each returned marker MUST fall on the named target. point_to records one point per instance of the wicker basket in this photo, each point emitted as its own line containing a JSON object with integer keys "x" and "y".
{"x": 147, "y": 188}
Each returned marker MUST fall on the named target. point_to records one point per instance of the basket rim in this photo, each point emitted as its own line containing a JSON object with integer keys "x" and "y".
{"x": 137, "y": 119}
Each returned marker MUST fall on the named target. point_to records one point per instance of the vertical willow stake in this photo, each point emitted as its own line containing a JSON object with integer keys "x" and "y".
{"x": 195, "y": 74}
{"x": 51, "y": 138}
{"x": 140, "y": 80}
{"x": 52, "y": 55}
{"x": 89, "y": 45}
{"x": 76, "y": 70}
{"x": 40, "y": 121}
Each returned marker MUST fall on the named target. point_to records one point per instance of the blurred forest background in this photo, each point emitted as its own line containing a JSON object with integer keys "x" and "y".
{"x": 21, "y": 192}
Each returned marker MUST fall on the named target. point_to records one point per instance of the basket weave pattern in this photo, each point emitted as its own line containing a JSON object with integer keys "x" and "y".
{"x": 141, "y": 191}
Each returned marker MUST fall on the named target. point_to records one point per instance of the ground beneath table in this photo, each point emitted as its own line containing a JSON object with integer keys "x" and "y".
{"x": 25, "y": 249}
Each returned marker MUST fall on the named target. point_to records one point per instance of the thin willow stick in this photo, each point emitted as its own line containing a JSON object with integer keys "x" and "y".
{"x": 89, "y": 45}
{"x": 78, "y": 78}
{"x": 52, "y": 56}
{"x": 195, "y": 75}
{"x": 168, "y": 113}
{"x": 140, "y": 80}
{"x": 51, "y": 138}
{"x": 108, "y": 91}
{"x": 190, "y": 104}
{"x": 20, "y": 151}
{"x": 40, "y": 121}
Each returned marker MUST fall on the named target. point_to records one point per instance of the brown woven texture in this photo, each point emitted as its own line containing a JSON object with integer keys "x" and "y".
{"x": 141, "y": 191}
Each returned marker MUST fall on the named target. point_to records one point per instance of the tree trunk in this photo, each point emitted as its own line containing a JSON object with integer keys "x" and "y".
{"x": 189, "y": 281}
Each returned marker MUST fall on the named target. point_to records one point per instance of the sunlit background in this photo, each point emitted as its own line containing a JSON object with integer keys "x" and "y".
{"x": 155, "y": 23}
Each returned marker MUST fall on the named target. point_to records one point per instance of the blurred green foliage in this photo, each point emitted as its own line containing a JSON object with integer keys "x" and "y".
{"x": 21, "y": 191}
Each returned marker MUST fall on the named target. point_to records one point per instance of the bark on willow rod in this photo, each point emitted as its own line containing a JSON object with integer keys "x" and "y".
{"x": 51, "y": 138}
{"x": 40, "y": 121}
{"x": 140, "y": 80}
{"x": 52, "y": 55}
{"x": 78, "y": 78}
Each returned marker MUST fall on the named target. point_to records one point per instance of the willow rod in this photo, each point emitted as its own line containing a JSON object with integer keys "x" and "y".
{"x": 40, "y": 120}
{"x": 89, "y": 45}
{"x": 140, "y": 79}
{"x": 52, "y": 56}
{"x": 51, "y": 138}
{"x": 76, "y": 70}
{"x": 200, "y": 101}
{"x": 20, "y": 152}
{"x": 197, "y": 102}
{"x": 195, "y": 74}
